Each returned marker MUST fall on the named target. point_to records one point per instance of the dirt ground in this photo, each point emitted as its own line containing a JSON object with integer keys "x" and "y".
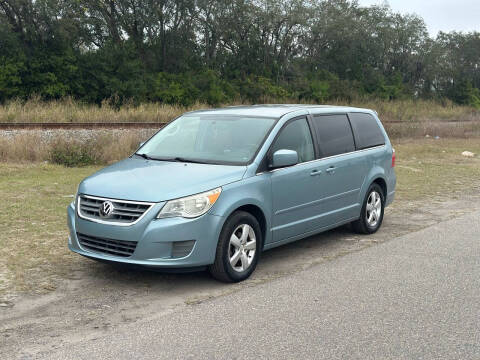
{"x": 98, "y": 298}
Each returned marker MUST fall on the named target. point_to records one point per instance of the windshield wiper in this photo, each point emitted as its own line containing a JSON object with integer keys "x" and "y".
{"x": 182, "y": 159}
{"x": 176, "y": 159}
{"x": 145, "y": 156}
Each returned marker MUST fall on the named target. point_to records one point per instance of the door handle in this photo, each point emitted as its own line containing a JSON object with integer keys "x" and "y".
{"x": 331, "y": 170}
{"x": 315, "y": 172}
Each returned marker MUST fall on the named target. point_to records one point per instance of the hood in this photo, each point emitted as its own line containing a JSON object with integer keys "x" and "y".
{"x": 155, "y": 181}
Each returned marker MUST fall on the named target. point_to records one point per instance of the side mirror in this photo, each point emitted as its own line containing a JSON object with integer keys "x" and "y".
{"x": 283, "y": 158}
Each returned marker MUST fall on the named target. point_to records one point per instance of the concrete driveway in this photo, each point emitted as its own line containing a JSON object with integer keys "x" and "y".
{"x": 417, "y": 297}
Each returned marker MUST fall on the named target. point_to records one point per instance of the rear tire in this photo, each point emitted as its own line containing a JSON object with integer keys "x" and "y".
{"x": 371, "y": 215}
{"x": 238, "y": 248}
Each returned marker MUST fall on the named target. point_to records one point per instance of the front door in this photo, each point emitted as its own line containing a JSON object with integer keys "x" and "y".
{"x": 294, "y": 201}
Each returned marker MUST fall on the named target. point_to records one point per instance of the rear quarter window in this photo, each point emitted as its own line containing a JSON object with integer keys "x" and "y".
{"x": 366, "y": 130}
{"x": 334, "y": 134}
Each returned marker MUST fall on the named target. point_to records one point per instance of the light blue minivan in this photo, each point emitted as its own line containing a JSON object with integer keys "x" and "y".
{"x": 215, "y": 188}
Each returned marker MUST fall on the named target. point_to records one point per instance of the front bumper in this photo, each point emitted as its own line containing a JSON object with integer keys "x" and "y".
{"x": 155, "y": 239}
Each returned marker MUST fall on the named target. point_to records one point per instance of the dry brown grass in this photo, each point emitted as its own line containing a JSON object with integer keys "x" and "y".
{"x": 414, "y": 111}
{"x": 115, "y": 147}
{"x": 26, "y": 147}
{"x": 68, "y": 110}
{"x": 443, "y": 129}
{"x": 98, "y": 147}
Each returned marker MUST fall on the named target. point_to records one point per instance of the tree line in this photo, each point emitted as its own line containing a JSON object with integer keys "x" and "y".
{"x": 184, "y": 51}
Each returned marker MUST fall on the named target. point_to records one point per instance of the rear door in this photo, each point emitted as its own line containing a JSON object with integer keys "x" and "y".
{"x": 294, "y": 188}
{"x": 343, "y": 168}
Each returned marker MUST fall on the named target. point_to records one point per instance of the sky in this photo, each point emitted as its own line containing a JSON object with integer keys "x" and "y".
{"x": 439, "y": 15}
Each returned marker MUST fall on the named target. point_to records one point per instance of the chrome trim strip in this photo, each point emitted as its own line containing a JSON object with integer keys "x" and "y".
{"x": 325, "y": 158}
{"x": 316, "y": 202}
{"x": 114, "y": 200}
{"x": 118, "y": 200}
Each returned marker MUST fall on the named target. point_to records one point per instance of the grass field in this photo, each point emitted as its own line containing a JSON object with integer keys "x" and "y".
{"x": 33, "y": 244}
{"x": 32, "y": 223}
{"x": 431, "y": 167}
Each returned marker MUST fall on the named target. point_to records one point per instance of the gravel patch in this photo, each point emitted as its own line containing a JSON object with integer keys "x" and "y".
{"x": 82, "y": 135}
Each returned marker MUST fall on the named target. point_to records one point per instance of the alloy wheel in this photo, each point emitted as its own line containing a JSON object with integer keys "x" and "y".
{"x": 242, "y": 247}
{"x": 374, "y": 209}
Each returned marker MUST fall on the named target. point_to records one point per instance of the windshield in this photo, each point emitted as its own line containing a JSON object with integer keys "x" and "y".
{"x": 212, "y": 139}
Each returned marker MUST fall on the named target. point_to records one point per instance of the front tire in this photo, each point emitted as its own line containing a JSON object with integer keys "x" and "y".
{"x": 371, "y": 216}
{"x": 238, "y": 248}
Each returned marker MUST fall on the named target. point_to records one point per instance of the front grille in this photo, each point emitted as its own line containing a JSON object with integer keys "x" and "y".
{"x": 107, "y": 246}
{"x": 123, "y": 213}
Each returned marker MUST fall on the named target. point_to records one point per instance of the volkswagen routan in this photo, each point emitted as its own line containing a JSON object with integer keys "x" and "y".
{"x": 213, "y": 189}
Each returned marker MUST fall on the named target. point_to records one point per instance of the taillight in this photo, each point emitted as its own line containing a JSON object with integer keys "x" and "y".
{"x": 393, "y": 158}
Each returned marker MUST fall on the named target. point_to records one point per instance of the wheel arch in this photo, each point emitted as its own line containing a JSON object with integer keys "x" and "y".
{"x": 375, "y": 175}
{"x": 258, "y": 213}
{"x": 382, "y": 183}
{"x": 256, "y": 210}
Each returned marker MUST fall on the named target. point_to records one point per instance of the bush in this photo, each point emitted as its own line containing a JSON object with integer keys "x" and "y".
{"x": 464, "y": 93}
{"x": 186, "y": 89}
{"x": 212, "y": 89}
{"x": 321, "y": 86}
{"x": 257, "y": 89}
{"x": 173, "y": 89}
{"x": 72, "y": 154}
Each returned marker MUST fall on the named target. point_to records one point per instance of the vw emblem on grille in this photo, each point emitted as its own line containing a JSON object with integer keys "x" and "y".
{"x": 106, "y": 209}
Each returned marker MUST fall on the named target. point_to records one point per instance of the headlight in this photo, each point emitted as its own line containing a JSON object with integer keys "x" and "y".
{"x": 190, "y": 206}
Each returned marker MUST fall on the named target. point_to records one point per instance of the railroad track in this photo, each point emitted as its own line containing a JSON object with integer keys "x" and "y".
{"x": 85, "y": 125}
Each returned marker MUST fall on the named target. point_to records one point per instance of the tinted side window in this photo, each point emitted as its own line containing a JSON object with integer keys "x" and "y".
{"x": 334, "y": 134}
{"x": 366, "y": 129}
{"x": 296, "y": 136}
